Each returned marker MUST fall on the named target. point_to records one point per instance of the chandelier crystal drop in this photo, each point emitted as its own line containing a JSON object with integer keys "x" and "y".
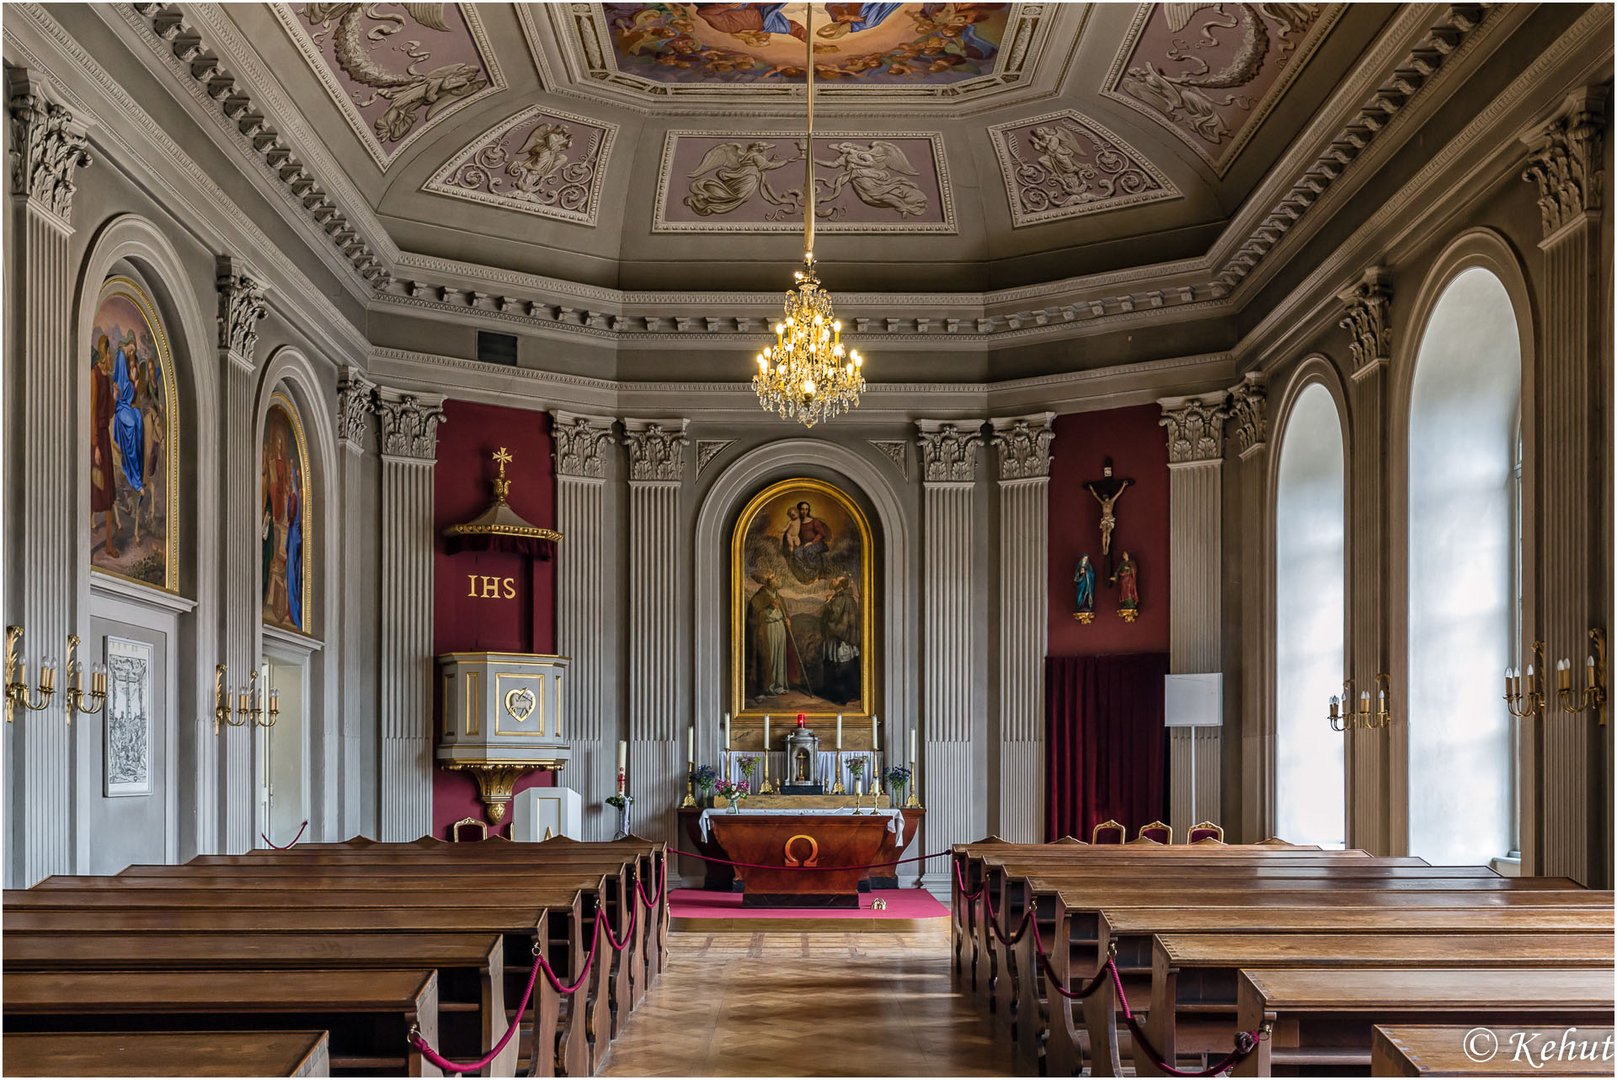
{"x": 807, "y": 374}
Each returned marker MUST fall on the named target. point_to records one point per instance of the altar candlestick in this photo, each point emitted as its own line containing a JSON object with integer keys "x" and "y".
{"x": 912, "y": 745}
{"x": 690, "y": 744}
{"x": 872, "y": 731}
{"x": 839, "y": 731}
{"x": 727, "y": 732}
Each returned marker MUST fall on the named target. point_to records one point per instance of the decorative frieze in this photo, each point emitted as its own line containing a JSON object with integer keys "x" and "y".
{"x": 47, "y": 146}
{"x": 948, "y": 452}
{"x": 579, "y": 440}
{"x": 1248, "y": 419}
{"x": 355, "y": 394}
{"x": 242, "y": 306}
{"x": 1365, "y": 320}
{"x": 409, "y": 424}
{"x": 1195, "y": 428}
{"x": 1024, "y": 446}
{"x": 656, "y": 449}
{"x": 1564, "y": 161}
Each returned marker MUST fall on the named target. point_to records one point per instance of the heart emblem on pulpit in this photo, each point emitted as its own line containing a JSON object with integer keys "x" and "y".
{"x": 520, "y": 703}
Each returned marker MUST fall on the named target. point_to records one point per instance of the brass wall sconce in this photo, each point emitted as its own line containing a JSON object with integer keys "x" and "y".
{"x": 1529, "y": 702}
{"x": 250, "y": 706}
{"x": 1593, "y": 694}
{"x": 76, "y": 695}
{"x": 18, "y": 692}
{"x": 1368, "y": 717}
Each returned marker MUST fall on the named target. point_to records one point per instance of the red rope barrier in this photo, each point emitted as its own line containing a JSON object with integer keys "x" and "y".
{"x": 628, "y": 932}
{"x": 970, "y": 897}
{"x": 283, "y": 847}
{"x": 662, "y": 883}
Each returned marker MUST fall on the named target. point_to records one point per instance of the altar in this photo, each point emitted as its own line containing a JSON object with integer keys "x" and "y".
{"x": 777, "y": 840}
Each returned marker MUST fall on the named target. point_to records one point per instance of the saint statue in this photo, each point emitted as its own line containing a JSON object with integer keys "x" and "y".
{"x": 1128, "y": 589}
{"x": 1083, "y": 580}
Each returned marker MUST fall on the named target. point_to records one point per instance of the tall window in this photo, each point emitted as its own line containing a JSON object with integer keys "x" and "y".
{"x": 1310, "y": 547}
{"x": 1463, "y": 573}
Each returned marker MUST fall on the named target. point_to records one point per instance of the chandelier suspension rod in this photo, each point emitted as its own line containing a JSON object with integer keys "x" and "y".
{"x": 808, "y": 155}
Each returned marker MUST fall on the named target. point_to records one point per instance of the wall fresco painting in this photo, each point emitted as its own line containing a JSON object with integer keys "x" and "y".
{"x": 285, "y": 531}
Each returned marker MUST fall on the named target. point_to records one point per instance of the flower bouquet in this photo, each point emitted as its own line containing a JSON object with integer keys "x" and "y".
{"x": 898, "y": 780}
{"x": 705, "y": 777}
{"x": 733, "y": 791}
{"x": 748, "y": 764}
{"x": 856, "y": 769}
{"x": 620, "y": 801}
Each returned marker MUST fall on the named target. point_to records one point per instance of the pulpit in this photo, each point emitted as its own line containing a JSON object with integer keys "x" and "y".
{"x": 502, "y": 719}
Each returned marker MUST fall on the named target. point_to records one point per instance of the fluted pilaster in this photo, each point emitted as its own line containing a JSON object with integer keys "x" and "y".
{"x": 587, "y": 630}
{"x": 356, "y": 434}
{"x": 409, "y": 443}
{"x": 41, "y": 545}
{"x": 658, "y": 654}
{"x": 1248, "y": 426}
{"x": 952, "y": 774}
{"x": 1023, "y": 445}
{"x": 1195, "y": 640}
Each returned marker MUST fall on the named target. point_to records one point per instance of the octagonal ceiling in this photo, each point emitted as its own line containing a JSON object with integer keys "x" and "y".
{"x": 959, "y": 146}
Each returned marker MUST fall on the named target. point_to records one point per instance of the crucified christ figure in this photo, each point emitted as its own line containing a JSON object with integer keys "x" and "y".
{"x": 1107, "y": 490}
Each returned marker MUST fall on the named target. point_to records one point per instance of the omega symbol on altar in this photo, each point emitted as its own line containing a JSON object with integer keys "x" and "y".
{"x": 488, "y": 587}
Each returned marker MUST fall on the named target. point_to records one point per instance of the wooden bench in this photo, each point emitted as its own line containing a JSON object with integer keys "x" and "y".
{"x": 167, "y": 1053}
{"x": 1408, "y": 1050}
{"x": 368, "y": 1013}
{"x": 1323, "y": 1016}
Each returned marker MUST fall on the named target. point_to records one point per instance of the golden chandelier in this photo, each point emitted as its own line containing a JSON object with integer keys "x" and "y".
{"x": 807, "y": 375}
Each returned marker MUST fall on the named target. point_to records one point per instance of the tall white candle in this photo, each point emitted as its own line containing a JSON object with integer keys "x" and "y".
{"x": 727, "y": 732}
{"x": 873, "y": 732}
{"x": 839, "y": 731}
{"x": 623, "y": 754}
{"x": 690, "y": 744}
{"x": 766, "y": 733}
{"x": 912, "y": 746}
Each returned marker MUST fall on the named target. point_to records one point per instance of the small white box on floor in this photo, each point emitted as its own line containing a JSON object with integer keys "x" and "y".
{"x": 540, "y": 813}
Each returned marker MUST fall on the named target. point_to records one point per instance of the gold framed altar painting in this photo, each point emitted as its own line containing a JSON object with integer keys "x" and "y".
{"x": 802, "y": 592}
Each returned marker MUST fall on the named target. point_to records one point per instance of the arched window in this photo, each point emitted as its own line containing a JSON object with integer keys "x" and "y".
{"x": 1463, "y": 572}
{"x": 1310, "y": 552}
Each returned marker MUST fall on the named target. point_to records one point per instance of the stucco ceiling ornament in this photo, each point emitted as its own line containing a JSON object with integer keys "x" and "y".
{"x": 1064, "y": 165}
{"x": 948, "y": 452}
{"x": 541, "y": 161}
{"x": 708, "y": 449}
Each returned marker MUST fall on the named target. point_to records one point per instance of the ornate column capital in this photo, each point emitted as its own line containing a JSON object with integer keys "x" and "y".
{"x": 409, "y": 424}
{"x": 1564, "y": 159}
{"x": 579, "y": 440}
{"x": 1365, "y": 320}
{"x": 242, "y": 306}
{"x": 949, "y": 450}
{"x": 1023, "y": 443}
{"x": 1248, "y": 414}
{"x": 1195, "y": 428}
{"x": 47, "y": 146}
{"x": 656, "y": 450}
{"x": 355, "y": 394}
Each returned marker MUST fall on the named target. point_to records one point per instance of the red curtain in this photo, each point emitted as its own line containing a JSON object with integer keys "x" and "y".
{"x": 1105, "y": 746}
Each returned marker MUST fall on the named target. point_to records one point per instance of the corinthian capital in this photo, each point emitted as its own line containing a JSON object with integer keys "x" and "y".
{"x": 409, "y": 423}
{"x": 656, "y": 449}
{"x": 1195, "y": 428}
{"x": 579, "y": 441}
{"x": 948, "y": 450}
{"x": 1023, "y": 443}
{"x": 242, "y": 306}
{"x": 47, "y": 146}
{"x": 1248, "y": 414}
{"x": 354, "y": 397}
{"x": 1564, "y": 158}
{"x": 1364, "y": 317}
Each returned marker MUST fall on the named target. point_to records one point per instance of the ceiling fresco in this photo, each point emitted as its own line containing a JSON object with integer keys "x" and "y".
{"x": 870, "y": 44}
{"x": 864, "y": 182}
{"x": 1211, "y": 72}
{"x": 395, "y": 70}
{"x": 1063, "y": 165}
{"x": 541, "y": 161}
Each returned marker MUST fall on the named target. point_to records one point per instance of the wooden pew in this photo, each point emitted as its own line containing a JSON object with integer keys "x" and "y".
{"x": 369, "y": 1013}
{"x": 160, "y": 1053}
{"x": 1324, "y": 1015}
{"x": 1433, "y": 1050}
{"x": 471, "y": 968}
{"x": 1193, "y": 976}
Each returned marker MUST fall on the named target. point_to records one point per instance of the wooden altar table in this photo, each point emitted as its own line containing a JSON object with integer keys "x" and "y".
{"x": 779, "y": 843}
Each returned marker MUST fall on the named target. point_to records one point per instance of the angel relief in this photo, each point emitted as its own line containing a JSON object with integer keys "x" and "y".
{"x": 877, "y": 174}
{"x": 732, "y": 173}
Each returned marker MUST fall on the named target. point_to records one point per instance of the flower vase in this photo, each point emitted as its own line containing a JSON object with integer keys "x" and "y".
{"x": 735, "y": 806}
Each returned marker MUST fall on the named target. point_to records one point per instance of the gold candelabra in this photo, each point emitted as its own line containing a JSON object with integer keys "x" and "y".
{"x": 1531, "y": 701}
{"x": 690, "y": 785}
{"x": 18, "y": 692}
{"x": 76, "y": 695}
{"x": 1368, "y": 717}
{"x": 250, "y": 705}
{"x": 838, "y": 788}
{"x": 1593, "y": 694}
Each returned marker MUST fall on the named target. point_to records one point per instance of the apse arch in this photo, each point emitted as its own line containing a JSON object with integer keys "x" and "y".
{"x": 1309, "y": 574}
{"x": 716, "y": 512}
{"x": 1460, "y": 397}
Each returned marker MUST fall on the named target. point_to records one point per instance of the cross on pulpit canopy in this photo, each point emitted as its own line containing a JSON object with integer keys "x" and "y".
{"x": 1107, "y": 490}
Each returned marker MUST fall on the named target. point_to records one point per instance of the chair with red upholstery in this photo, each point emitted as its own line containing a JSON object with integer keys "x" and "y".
{"x": 1205, "y": 832}
{"x": 1155, "y": 833}
{"x": 1108, "y": 832}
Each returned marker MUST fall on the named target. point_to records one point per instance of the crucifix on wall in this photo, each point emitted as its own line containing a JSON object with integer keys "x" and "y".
{"x": 1107, "y": 490}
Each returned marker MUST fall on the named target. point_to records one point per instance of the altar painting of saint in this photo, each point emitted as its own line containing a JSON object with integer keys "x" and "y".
{"x": 134, "y": 439}
{"x": 283, "y": 524}
{"x": 801, "y": 606}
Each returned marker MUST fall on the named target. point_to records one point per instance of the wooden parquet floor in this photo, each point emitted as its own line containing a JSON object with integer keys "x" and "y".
{"x": 793, "y": 1003}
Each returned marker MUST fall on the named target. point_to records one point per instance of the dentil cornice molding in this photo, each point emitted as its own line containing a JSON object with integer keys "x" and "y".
{"x": 409, "y": 424}
{"x": 579, "y": 441}
{"x": 47, "y": 146}
{"x": 242, "y": 304}
{"x": 1195, "y": 428}
{"x": 1365, "y": 318}
{"x": 1023, "y": 443}
{"x": 656, "y": 450}
{"x": 948, "y": 451}
{"x": 1564, "y": 160}
{"x": 355, "y": 394}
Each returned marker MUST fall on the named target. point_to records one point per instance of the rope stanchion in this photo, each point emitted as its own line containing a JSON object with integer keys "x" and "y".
{"x": 283, "y": 847}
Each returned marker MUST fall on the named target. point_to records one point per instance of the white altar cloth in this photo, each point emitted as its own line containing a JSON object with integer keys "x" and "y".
{"x": 895, "y": 818}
